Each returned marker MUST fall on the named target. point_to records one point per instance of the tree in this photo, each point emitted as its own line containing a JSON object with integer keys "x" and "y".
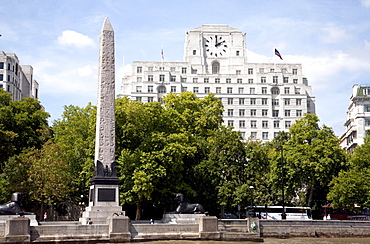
{"x": 312, "y": 157}
{"x": 352, "y": 187}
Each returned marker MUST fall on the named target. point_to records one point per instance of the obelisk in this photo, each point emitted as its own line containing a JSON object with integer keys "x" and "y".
{"x": 104, "y": 194}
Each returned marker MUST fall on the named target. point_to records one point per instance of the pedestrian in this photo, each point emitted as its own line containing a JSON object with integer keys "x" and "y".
{"x": 89, "y": 221}
{"x": 45, "y": 216}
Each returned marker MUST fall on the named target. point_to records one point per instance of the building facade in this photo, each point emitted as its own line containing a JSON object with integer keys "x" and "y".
{"x": 259, "y": 99}
{"x": 358, "y": 118}
{"x": 15, "y": 78}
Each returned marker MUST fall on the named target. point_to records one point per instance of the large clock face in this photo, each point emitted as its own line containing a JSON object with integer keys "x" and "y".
{"x": 215, "y": 45}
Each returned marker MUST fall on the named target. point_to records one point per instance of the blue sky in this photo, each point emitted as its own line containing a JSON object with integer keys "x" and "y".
{"x": 330, "y": 38}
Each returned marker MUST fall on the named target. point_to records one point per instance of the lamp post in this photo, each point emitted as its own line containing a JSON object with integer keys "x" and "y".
{"x": 251, "y": 189}
{"x": 280, "y": 148}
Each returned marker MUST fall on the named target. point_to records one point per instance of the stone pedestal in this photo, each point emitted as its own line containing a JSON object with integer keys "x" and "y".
{"x": 119, "y": 230}
{"x": 17, "y": 230}
{"x": 208, "y": 228}
{"x": 173, "y": 218}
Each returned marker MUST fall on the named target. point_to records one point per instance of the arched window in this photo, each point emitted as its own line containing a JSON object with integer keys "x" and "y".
{"x": 215, "y": 67}
{"x": 161, "y": 89}
{"x": 275, "y": 91}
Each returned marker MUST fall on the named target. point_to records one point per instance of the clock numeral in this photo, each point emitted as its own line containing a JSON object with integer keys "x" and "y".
{"x": 206, "y": 45}
{"x": 225, "y": 45}
{"x": 216, "y": 54}
{"x": 207, "y": 50}
{"x": 210, "y": 53}
{"x": 224, "y": 50}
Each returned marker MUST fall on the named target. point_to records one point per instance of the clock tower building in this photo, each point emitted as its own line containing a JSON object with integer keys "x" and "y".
{"x": 259, "y": 99}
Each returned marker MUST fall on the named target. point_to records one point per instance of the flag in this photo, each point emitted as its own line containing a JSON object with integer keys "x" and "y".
{"x": 162, "y": 54}
{"x": 278, "y": 54}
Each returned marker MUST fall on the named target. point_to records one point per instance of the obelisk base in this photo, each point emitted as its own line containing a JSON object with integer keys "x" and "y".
{"x": 103, "y": 203}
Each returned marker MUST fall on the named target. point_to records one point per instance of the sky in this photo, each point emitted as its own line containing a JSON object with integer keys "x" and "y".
{"x": 60, "y": 40}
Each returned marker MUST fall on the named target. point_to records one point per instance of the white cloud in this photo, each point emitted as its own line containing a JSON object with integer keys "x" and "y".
{"x": 73, "y": 38}
{"x": 365, "y": 3}
{"x": 332, "y": 34}
{"x": 85, "y": 71}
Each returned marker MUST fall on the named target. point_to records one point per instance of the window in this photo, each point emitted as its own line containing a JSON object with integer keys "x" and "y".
{"x": 194, "y": 52}
{"x": 287, "y": 124}
{"x": 264, "y": 90}
{"x": 228, "y": 80}
{"x": 173, "y": 89}
{"x": 184, "y": 89}
{"x": 263, "y": 79}
{"x": 139, "y": 69}
{"x": 366, "y": 107}
{"x": 159, "y": 99}
{"x": 286, "y": 101}
{"x": 215, "y": 68}
{"x": 250, "y": 81}
{"x": 173, "y": 69}
{"x": 239, "y": 81}
{"x": 218, "y": 89}
{"x": 161, "y": 89}
{"x": 253, "y": 101}
{"x": 299, "y": 113}
{"x": 138, "y": 89}
{"x": 241, "y": 90}
{"x": 241, "y": 112}
{"x": 272, "y": 70}
{"x": 265, "y": 124}
{"x": 238, "y": 72}
{"x": 276, "y": 124}
{"x": 195, "y": 89}
{"x": 229, "y": 90}
{"x": 1, "y": 65}
{"x": 250, "y": 71}
{"x": 295, "y": 71}
{"x": 138, "y": 99}
{"x": 230, "y": 122}
{"x": 297, "y": 91}
{"x": 241, "y": 101}
{"x": 254, "y": 135}
{"x": 262, "y": 70}
{"x": 242, "y": 123}
{"x": 195, "y": 80}
{"x": 206, "y": 80}
{"x": 264, "y": 101}
{"x": 275, "y": 102}
{"x": 194, "y": 71}
{"x": 183, "y": 80}
{"x": 242, "y": 134}
{"x": 230, "y": 112}
{"x": 275, "y": 113}
{"x": 287, "y": 113}
{"x": 230, "y": 101}
{"x": 1, "y": 77}
{"x": 150, "y": 89}
{"x": 275, "y": 79}
{"x": 8, "y": 69}
{"x": 298, "y": 101}
{"x": 253, "y": 112}
{"x": 276, "y": 134}
{"x": 183, "y": 70}
{"x": 252, "y": 90}
{"x": 237, "y": 53}
{"x": 295, "y": 81}
{"x": 161, "y": 77}
{"x": 253, "y": 124}
{"x": 207, "y": 90}
{"x": 286, "y": 90}
{"x": 286, "y": 79}
{"x": 172, "y": 78}
{"x": 275, "y": 91}
{"x": 264, "y": 112}
{"x": 265, "y": 135}
{"x": 150, "y": 99}
{"x": 217, "y": 80}
{"x": 150, "y": 77}
{"x": 139, "y": 79}
{"x": 367, "y": 122}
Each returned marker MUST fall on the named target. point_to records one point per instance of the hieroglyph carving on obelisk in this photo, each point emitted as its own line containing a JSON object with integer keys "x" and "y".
{"x": 105, "y": 118}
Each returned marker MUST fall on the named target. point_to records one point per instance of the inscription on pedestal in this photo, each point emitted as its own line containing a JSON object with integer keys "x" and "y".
{"x": 106, "y": 195}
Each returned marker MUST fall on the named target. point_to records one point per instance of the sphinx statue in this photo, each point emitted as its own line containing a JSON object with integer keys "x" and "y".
{"x": 185, "y": 207}
{"x": 13, "y": 206}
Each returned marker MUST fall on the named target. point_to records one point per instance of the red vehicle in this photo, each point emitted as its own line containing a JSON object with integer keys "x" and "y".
{"x": 344, "y": 214}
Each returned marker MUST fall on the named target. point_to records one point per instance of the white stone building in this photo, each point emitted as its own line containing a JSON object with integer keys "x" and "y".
{"x": 15, "y": 78}
{"x": 358, "y": 118}
{"x": 260, "y": 99}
